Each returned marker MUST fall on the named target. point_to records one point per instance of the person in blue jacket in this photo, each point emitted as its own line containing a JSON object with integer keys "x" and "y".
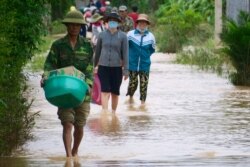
{"x": 141, "y": 47}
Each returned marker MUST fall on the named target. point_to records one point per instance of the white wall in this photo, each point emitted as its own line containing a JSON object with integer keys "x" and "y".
{"x": 80, "y": 3}
{"x": 234, "y": 6}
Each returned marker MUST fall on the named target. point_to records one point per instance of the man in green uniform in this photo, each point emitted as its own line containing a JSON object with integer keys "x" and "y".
{"x": 72, "y": 50}
{"x": 127, "y": 22}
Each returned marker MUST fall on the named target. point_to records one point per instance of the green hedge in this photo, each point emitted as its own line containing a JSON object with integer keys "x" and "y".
{"x": 20, "y": 31}
{"x": 236, "y": 37}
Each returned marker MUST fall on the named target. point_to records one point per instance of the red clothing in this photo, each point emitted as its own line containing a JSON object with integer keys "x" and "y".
{"x": 134, "y": 16}
{"x": 103, "y": 2}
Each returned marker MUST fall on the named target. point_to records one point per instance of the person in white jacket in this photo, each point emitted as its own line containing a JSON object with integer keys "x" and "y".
{"x": 96, "y": 22}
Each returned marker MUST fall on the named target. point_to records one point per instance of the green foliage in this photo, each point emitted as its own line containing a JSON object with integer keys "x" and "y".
{"x": 59, "y": 8}
{"x": 20, "y": 31}
{"x": 205, "y": 56}
{"x": 58, "y": 27}
{"x": 236, "y": 37}
{"x": 37, "y": 61}
{"x": 16, "y": 122}
{"x": 203, "y": 7}
{"x": 178, "y": 21}
{"x": 179, "y": 24}
{"x": 143, "y": 5}
{"x": 45, "y": 44}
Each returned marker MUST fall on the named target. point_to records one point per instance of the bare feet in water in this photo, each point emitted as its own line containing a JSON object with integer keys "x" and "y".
{"x": 131, "y": 100}
{"x": 74, "y": 153}
{"x": 143, "y": 106}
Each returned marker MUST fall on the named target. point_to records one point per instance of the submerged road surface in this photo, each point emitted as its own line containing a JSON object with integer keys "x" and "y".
{"x": 192, "y": 118}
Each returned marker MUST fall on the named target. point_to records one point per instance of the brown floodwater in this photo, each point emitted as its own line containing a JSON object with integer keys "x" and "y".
{"x": 192, "y": 118}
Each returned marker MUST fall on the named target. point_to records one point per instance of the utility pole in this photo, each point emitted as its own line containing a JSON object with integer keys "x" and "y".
{"x": 218, "y": 21}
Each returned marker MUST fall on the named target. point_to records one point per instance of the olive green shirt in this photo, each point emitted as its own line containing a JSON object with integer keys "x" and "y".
{"x": 81, "y": 57}
{"x": 127, "y": 24}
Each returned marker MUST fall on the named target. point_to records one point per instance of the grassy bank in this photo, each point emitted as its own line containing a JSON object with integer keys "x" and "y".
{"x": 205, "y": 57}
{"x": 37, "y": 61}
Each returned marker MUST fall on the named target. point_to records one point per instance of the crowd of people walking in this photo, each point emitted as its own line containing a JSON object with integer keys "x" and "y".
{"x": 120, "y": 46}
{"x": 109, "y": 26}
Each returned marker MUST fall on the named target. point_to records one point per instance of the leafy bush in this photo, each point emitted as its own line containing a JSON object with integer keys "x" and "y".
{"x": 205, "y": 56}
{"x": 176, "y": 25}
{"x": 203, "y": 7}
{"x": 37, "y": 61}
{"x": 58, "y": 27}
{"x": 143, "y": 5}
{"x": 59, "y": 8}
{"x": 236, "y": 37}
{"x": 178, "y": 21}
{"x": 20, "y": 31}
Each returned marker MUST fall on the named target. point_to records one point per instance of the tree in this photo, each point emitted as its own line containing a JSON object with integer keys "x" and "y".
{"x": 21, "y": 29}
{"x": 59, "y": 8}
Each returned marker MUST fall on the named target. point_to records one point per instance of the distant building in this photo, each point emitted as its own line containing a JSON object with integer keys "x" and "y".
{"x": 233, "y": 8}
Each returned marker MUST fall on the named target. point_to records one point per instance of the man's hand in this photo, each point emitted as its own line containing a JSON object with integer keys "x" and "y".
{"x": 42, "y": 82}
{"x": 96, "y": 70}
{"x": 125, "y": 77}
{"x": 90, "y": 90}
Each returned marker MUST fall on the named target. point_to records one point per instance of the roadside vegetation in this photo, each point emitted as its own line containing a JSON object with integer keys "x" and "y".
{"x": 37, "y": 61}
{"x": 236, "y": 38}
{"x": 181, "y": 23}
{"x": 187, "y": 29}
{"x": 23, "y": 31}
{"x": 20, "y": 31}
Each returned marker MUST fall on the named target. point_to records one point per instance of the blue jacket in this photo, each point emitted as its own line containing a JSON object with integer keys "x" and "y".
{"x": 141, "y": 47}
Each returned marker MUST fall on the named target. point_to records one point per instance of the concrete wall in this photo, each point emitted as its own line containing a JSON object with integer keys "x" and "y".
{"x": 81, "y": 3}
{"x": 234, "y": 6}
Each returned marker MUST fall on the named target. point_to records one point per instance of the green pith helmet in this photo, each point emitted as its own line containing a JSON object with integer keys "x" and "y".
{"x": 74, "y": 16}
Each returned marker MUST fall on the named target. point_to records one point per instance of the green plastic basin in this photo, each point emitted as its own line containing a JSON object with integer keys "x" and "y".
{"x": 65, "y": 91}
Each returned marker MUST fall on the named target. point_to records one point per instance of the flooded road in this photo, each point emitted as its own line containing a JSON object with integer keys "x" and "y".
{"x": 192, "y": 119}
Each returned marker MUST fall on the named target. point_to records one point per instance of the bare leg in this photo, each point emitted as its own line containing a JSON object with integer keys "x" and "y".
{"x": 105, "y": 100}
{"x": 78, "y": 134}
{"x": 131, "y": 100}
{"x": 114, "y": 102}
{"x": 67, "y": 138}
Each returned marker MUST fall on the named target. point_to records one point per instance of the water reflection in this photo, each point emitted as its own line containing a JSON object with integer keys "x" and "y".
{"x": 72, "y": 162}
{"x": 138, "y": 122}
{"x": 237, "y": 98}
{"x": 13, "y": 162}
{"x": 133, "y": 107}
{"x": 106, "y": 124}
